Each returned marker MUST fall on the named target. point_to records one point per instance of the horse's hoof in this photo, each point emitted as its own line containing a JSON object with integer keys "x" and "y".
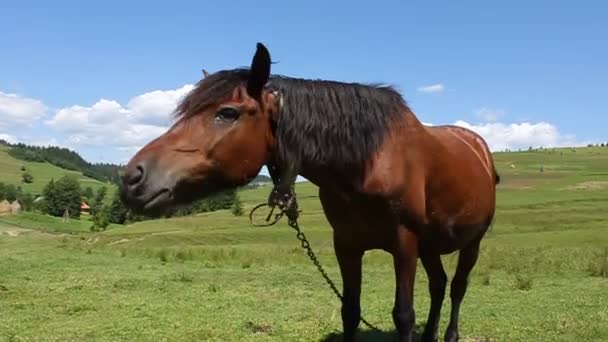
{"x": 451, "y": 336}
{"x": 428, "y": 337}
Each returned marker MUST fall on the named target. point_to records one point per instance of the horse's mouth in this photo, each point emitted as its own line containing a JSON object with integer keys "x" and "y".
{"x": 158, "y": 202}
{"x": 160, "y": 199}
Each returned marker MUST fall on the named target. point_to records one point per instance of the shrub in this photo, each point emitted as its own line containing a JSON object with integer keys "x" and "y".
{"x": 598, "y": 267}
{"x": 237, "y": 207}
{"x": 523, "y": 282}
{"x": 27, "y": 177}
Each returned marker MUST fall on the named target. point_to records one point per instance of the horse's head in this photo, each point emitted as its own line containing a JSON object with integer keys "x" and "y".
{"x": 222, "y": 138}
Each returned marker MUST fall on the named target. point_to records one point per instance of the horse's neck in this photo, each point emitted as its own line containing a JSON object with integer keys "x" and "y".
{"x": 350, "y": 178}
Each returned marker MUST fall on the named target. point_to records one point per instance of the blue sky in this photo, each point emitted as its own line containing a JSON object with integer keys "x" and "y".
{"x": 101, "y": 78}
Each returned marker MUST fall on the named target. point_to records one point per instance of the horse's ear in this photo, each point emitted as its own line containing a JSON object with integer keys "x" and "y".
{"x": 260, "y": 72}
{"x": 205, "y": 73}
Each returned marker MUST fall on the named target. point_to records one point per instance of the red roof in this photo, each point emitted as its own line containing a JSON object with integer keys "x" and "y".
{"x": 84, "y": 206}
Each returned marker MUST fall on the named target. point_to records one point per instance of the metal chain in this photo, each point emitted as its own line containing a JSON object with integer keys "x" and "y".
{"x": 293, "y": 223}
{"x": 292, "y": 216}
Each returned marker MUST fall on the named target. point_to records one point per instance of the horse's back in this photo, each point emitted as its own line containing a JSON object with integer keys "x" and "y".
{"x": 467, "y": 146}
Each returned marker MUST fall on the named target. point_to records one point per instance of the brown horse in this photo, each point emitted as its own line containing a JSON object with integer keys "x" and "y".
{"x": 385, "y": 180}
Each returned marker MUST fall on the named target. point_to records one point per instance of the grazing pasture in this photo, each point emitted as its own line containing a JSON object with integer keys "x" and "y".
{"x": 542, "y": 274}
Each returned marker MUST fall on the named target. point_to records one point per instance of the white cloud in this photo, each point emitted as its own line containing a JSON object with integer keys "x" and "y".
{"x": 8, "y": 138}
{"x": 78, "y": 118}
{"x": 16, "y": 110}
{"x": 126, "y": 127}
{"x": 431, "y": 89}
{"x": 501, "y": 136}
{"x": 489, "y": 114}
{"x": 153, "y": 107}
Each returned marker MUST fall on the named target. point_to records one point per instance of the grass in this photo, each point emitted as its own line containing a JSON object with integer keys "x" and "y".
{"x": 541, "y": 275}
{"x": 10, "y": 169}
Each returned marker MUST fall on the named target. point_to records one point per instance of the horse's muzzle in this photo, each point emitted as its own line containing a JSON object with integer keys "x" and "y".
{"x": 145, "y": 189}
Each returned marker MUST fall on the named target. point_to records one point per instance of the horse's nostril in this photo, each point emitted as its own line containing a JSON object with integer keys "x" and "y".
{"x": 135, "y": 176}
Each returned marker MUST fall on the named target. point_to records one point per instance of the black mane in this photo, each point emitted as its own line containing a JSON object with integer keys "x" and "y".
{"x": 211, "y": 90}
{"x": 321, "y": 122}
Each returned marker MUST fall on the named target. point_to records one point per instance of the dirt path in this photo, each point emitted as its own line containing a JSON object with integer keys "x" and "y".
{"x": 12, "y": 231}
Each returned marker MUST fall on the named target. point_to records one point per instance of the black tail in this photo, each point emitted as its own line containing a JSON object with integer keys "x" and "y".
{"x": 496, "y": 177}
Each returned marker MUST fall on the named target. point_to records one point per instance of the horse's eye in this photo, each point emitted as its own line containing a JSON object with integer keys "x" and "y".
{"x": 228, "y": 114}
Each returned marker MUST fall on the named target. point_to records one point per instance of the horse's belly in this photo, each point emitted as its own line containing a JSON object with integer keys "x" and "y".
{"x": 445, "y": 239}
{"x": 365, "y": 232}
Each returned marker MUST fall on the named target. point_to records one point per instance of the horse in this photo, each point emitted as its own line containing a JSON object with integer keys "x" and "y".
{"x": 385, "y": 180}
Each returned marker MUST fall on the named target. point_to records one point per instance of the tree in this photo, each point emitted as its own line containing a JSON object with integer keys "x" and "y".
{"x": 97, "y": 203}
{"x": 133, "y": 217}
{"x": 47, "y": 205}
{"x": 117, "y": 212}
{"x": 61, "y": 195}
{"x": 68, "y": 191}
{"x": 88, "y": 194}
{"x": 100, "y": 220}
{"x": 10, "y": 192}
{"x": 27, "y": 201}
{"x": 221, "y": 201}
{"x": 27, "y": 177}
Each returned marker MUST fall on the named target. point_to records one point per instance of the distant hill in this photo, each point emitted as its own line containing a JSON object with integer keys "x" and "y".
{"x": 65, "y": 159}
{"x": 46, "y": 163}
{"x": 262, "y": 179}
{"x": 11, "y": 170}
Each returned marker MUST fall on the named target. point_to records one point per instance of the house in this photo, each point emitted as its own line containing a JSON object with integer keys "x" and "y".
{"x": 84, "y": 208}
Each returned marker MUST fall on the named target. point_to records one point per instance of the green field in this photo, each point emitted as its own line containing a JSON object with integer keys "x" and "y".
{"x": 542, "y": 274}
{"x": 10, "y": 173}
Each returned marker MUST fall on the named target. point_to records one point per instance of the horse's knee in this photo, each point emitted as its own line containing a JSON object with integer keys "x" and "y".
{"x": 458, "y": 288}
{"x": 438, "y": 284}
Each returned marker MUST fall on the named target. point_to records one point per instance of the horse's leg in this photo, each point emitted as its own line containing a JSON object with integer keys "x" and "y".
{"x": 466, "y": 260}
{"x": 405, "y": 257}
{"x": 437, "y": 281}
{"x": 349, "y": 256}
{"x": 350, "y": 268}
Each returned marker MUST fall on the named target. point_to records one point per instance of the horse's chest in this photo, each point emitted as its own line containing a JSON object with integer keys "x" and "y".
{"x": 361, "y": 223}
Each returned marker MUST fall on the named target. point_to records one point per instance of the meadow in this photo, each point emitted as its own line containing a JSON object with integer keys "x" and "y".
{"x": 542, "y": 274}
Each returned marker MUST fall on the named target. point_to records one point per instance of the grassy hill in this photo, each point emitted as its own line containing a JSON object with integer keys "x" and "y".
{"x": 542, "y": 273}
{"x": 10, "y": 171}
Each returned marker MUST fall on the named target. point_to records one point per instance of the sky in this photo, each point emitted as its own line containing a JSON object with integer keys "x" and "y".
{"x": 102, "y": 78}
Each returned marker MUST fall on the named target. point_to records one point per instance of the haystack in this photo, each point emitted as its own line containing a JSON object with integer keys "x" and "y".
{"x": 5, "y": 207}
{"x": 15, "y": 207}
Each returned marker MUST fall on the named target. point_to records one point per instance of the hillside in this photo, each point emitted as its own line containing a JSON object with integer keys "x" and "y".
{"x": 43, "y": 172}
{"x": 65, "y": 159}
